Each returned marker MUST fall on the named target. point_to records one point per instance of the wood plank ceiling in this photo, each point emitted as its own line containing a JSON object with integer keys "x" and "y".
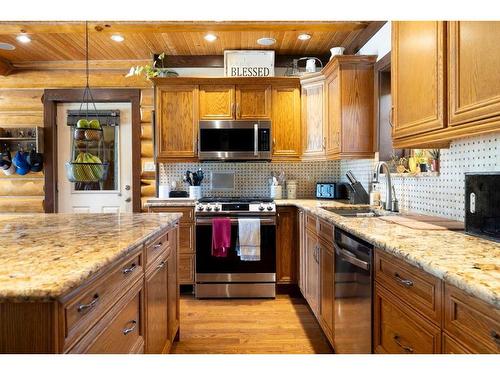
{"x": 64, "y": 41}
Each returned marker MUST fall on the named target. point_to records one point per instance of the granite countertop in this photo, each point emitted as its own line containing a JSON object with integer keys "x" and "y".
{"x": 467, "y": 262}
{"x": 46, "y": 255}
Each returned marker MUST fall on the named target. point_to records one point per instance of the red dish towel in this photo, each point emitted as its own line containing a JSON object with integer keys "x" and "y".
{"x": 221, "y": 236}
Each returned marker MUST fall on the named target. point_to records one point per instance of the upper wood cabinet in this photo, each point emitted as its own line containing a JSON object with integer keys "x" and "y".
{"x": 235, "y": 102}
{"x": 473, "y": 73}
{"x": 349, "y": 107}
{"x": 285, "y": 131}
{"x": 313, "y": 117}
{"x": 445, "y": 81}
{"x": 418, "y": 73}
{"x": 253, "y": 102}
{"x": 217, "y": 102}
{"x": 176, "y": 122}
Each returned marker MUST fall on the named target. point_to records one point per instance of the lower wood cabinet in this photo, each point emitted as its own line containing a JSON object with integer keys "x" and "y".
{"x": 400, "y": 330}
{"x": 312, "y": 283}
{"x": 326, "y": 289}
{"x": 451, "y": 346}
{"x": 286, "y": 245}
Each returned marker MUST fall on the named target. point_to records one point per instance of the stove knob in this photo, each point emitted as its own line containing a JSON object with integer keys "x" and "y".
{"x": 270, "y": 208}
{"x": 209, "y": 208}
{"x": 216, "y": 208}
{"x": 200, "y": 208}
{"x": 261, "y": 207}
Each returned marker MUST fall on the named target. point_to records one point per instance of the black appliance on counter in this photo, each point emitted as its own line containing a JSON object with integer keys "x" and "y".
{"x": 482, "y": 204}
{"x": 230, "y": 277}
{"x": 353, "y": 286}
{"x": 234, "y": 140}
{"x": 331, "y": 190}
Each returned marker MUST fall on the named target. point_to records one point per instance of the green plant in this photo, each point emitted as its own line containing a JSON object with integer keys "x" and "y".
{"x": 420, "y": 157}
{"x": 151, "y": 70}
{"x": 435, "y": 153}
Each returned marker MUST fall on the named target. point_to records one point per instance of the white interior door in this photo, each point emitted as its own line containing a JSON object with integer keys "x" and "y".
{"x": 114, "y": 194}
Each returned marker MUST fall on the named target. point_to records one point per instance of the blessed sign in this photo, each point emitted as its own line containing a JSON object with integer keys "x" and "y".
{"x": 249, "y": 63}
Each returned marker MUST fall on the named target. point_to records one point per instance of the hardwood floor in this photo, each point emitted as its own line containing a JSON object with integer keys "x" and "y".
{"x": 239, "y": 326}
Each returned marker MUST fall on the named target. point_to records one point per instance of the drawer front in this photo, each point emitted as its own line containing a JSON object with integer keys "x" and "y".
{"x": 186, "y": 238}
{"x": 82, "y": 311}
{"x": 311, "y": 223}
{"x": 186, "y": 269}
{"x": 156, "y": 247}
{"x": 325, "y": 230}
{"x": 471, "y": 321}
{"x": 451, "y": 346}
{"x": 186, "y": 211}
{"x": 420, "y": 290}
{"x": 399, "y": 330}
{"x": 122, "y": 333}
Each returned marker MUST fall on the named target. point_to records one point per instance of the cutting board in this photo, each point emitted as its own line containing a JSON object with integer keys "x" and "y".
{"x": 424, "y": 222}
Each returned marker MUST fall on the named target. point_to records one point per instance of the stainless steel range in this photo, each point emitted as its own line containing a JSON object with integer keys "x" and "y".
{"x": 230, "y": 277}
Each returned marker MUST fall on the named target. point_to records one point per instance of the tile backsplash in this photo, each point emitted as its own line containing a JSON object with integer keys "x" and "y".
{"x": 252, "y": 179}
{"x": 441, "y": 195}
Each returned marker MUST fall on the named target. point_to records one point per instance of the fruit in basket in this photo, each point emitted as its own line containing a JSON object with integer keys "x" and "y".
{"x": 79, "y": 134}
{"x": 94, "y": 124}
{"x": 87, "y": 167}
{"x": 92, "y": 135}
{"x": 82, "y": 123}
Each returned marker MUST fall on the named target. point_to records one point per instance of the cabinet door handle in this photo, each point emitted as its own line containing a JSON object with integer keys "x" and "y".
{"x": 391, "y": 114}
{"x": 233, "y": 109}
{"x": 83, "y": 308}
{"x": 126, "y": 331}
{"x": 405, "y": 282}
{"x": 407, "y": 349}
{"x": 162, "y": 264}
{"x": 238, "y": 110}
{"x": 130, "y": 269}
{"x": 324, "y": 143}
{"x": 495, "y": 336}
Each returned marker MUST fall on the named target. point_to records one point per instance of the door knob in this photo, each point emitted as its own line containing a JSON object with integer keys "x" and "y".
{"x": 127, "y": 187}
{"x": 128, "y": 200}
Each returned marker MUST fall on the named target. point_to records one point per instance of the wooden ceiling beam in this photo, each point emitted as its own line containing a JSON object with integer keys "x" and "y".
{"x": 5, "y": 67}
{"x": 168, "y": 27}
{"x": 363, "y": 37}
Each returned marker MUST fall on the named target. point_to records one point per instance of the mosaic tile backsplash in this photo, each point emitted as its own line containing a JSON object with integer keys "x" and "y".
{"x": 442, "y": 195}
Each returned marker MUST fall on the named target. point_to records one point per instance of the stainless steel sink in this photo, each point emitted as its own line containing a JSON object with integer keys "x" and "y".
{"x": 354, "y": 212}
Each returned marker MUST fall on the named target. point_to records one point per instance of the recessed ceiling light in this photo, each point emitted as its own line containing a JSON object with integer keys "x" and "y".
{"x": 7, "y": 46}
{"x": 210, "y": 37}
{"x": 304, "y": 37}
{"x": 266, "y": 41}
{"x": 117, "y": 38}
{"x": 23, "y": 38}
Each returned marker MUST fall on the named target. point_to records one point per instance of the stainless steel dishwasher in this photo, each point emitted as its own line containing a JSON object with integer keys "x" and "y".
{"x": 353, "y": 294}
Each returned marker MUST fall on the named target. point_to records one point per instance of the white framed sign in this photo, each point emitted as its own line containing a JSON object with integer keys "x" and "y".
{"x": 247, "y": 63}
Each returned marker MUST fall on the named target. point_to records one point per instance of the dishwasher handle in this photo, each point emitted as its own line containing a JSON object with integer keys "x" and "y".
{"x": 351, "y": 258}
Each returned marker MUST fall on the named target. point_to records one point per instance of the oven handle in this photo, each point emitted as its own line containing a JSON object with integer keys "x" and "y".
{"x": 263, "y": 221}
{"x": 351, "y": 258}
{"x": 256, "y": 139}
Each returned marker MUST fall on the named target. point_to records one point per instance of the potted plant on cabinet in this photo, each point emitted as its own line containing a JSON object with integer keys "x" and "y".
{"x": 435, "y": 155}
{"x": 151, "y": 70}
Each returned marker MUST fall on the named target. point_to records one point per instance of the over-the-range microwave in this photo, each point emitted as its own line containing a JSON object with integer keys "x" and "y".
{"x": 238, "y": 140}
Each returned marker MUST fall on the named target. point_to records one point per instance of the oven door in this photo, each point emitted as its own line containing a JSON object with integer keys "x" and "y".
{"x": 235, "y": 140}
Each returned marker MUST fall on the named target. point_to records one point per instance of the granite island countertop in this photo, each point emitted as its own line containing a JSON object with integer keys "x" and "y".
{"x": 46, "y": 255}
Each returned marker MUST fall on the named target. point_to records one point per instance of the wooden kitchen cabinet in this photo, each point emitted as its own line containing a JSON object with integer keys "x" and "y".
{"x": 253, "y": 102}
{"x": 326, "y": 289}
{"x": 473, "y": 74}
{"x": 418, "y": 77}
{"x": 312, "y": 283}
{"x": 302, "y": 251}
{"x": 176, "y": 122}
{"x": 349, "y": 107}
{"x": 286, "y": 129}
{"x": 286, "y": 245}
{"x": 313, "y": 117}
{"x": 217, "y": 102}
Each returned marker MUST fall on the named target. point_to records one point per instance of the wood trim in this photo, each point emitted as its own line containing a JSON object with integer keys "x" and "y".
{"x": 50, "y": 99}
{"x": 274, "y": 81}
{"x": 364, "y": 36}
{"x": 382, "y": 65}
{"x": 5, "y": 67}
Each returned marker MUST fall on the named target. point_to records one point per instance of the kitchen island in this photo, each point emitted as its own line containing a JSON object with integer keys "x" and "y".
{"x": 88, "y": 283}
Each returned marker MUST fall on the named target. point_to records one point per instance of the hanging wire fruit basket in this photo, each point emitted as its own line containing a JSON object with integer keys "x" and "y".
{"x": 87, "y": 163}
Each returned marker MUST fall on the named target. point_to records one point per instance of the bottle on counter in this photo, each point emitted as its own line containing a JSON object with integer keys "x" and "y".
{"x": 374, "y": 195}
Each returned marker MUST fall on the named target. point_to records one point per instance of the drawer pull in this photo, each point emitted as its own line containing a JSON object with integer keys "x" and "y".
{"x": 496, "y": 337}
{"x": 129, "y": 269}
{"x": 126, "y": 331}
{"x": 407, "y": 349}
{"x": 162, "y": 264}
{"x": 405, "y": 282}
{"x": 158, "y": 245}
{"x": 88, "y": 306}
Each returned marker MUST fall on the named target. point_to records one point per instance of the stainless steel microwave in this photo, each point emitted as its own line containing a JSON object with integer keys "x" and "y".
{"x": 240, "y": 140}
